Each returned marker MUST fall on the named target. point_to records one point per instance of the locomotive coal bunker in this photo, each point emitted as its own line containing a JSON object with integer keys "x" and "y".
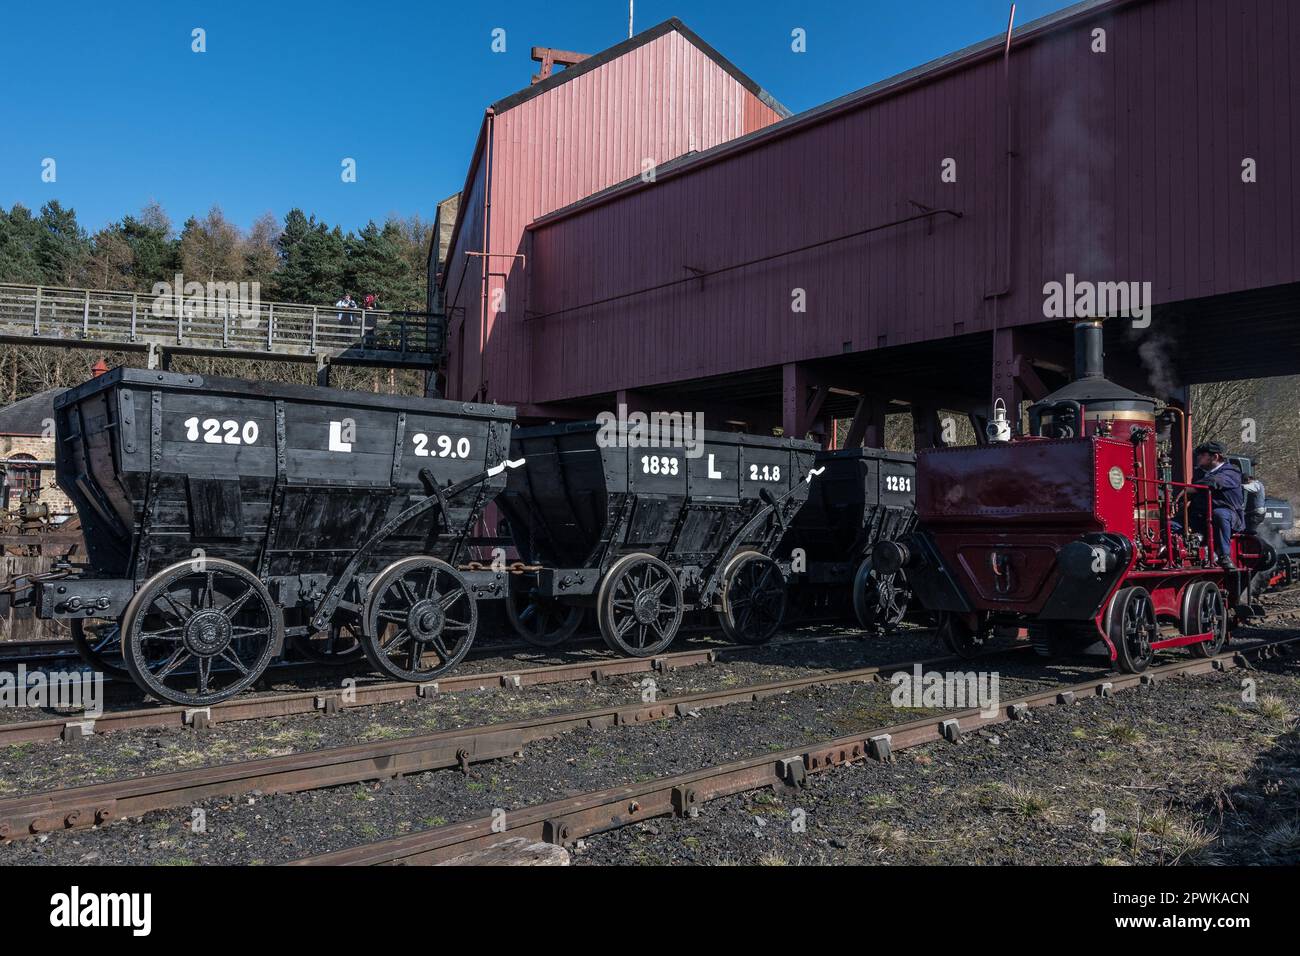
{"x": 1079, "y": 531}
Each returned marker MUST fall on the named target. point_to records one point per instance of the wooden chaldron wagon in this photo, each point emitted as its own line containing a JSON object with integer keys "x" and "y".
{"x": 644, "y": 534}
{"x": 224, "y": 517}
{"x": 864, "y": 496}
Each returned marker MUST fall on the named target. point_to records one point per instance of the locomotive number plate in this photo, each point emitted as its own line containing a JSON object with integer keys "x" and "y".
{"x": 1116, "y": 476}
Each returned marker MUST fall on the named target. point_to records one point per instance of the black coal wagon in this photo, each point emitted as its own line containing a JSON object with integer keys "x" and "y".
{"x": 864, "y": 496}
{"x": 223, "y": 516}
{"x": 644, "y": 534}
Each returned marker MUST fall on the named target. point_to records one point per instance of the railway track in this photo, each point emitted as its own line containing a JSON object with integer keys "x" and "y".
{"x": 33, "y": 653}
{"x": 566, "y": 820}
{"x": 77, "y": 807}
{"x": 73, "y": 727}
{"x": 13, "y": 653}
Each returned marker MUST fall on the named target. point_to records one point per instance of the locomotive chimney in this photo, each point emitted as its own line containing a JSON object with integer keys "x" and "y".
{"x": 1089, "y": 354}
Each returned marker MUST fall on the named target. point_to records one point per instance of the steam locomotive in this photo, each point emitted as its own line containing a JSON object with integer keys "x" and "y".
{"x": 1279, "y": 525}
{"x": 1080, "y": 531}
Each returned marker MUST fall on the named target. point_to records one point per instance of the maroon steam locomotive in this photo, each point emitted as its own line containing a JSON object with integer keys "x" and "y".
{"x": 1081, "y": 531}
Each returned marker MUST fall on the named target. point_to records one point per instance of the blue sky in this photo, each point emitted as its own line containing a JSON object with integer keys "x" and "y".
{"x": 286, "y": 89}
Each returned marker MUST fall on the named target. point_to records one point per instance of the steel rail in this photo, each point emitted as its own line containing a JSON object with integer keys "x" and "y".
{"x": 78, "y": 807}
{"x": 563, "y": 821}
{"x": 329, "y": 701}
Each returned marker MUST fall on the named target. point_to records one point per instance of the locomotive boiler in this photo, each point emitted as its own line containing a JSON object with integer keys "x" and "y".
{"x": 1087, "y": 531}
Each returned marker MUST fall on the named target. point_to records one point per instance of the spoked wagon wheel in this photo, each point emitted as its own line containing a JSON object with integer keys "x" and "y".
{"x": 341, "y": 644}
{"x": 420, "y": 619}
{"x": 960, "y": 638}
{"x": 540, "y": 620}
{"x": 100, "y": 646}
{"x": 1131, "y": 626}
{"x": 1205, "y": 610}
{"x": 200, "y": 631}
{"x": 879, "y": 600}
{"x": 639, "y": 606}
{"x": 753, "y": 598}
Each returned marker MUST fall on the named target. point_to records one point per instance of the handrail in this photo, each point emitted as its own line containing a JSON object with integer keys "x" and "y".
{"x": 1162, "y": 484}
{"x": 217, "y": 322}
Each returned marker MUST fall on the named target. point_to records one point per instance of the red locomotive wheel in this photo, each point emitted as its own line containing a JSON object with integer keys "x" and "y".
{"x": 1132, "y": 628}
{"x": 1204, "y": 609}
{"x": 639, "y": 607}
{"x": 753, "y": 598}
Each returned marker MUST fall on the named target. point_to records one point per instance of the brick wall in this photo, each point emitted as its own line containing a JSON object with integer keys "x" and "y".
{"x": 42, "y": 449}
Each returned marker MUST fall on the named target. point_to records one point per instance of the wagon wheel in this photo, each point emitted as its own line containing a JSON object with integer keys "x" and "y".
{"x": 1204, "y": 609}
{"x": 1131, "y": 626}
{"x": 879, "y": 600}
{"x": 540, "y": 620}
{"x": 753, "y": 598}
{"x": 960, "y": 637}
{"x": 341, "y": 644}
{"x": 200, "y": 631}
{"x": 100, "y": 646}
{"x": 420, "y": 619}
{"x": 639, "y": 606}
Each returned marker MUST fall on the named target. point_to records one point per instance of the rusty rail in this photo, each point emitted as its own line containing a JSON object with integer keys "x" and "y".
{"x": 77, "y": 807}
{"x": 73, "y": 726}
{"x": 566, "y": 820}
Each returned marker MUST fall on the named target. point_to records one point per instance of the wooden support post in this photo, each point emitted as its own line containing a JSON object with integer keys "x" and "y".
{"x": 36, "y": 316}
{"x": 802, "y": 398}
{"x": 85, "y": 316}
{"x": 927, "y": 429}
{"x": 135, "y": 309}
{"x": 868, "y": 426}
{"x": 1006, "y": 384}
{"x": 270, "y": 327}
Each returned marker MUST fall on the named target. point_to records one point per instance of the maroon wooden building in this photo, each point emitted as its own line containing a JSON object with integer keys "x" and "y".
{"x": 622, "y": 113}
{"x": 897, "y": 245}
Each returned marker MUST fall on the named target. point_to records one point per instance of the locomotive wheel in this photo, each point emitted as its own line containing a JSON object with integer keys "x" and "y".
{"x": 1204, "y": 609}
{"x": 639, "y": 606}
{"x": 420, "y": 619}
{"x": 542, "y": 621}
{"x": 959, "y": 637}
{"x": 100, "y": 646}
{"x": 1131, "y": 626}
{"x": 199, "y": 632}
{"x": 341, "y": 644}
{"x": 879, "y": 600}
{"x": 753, "y": 598}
